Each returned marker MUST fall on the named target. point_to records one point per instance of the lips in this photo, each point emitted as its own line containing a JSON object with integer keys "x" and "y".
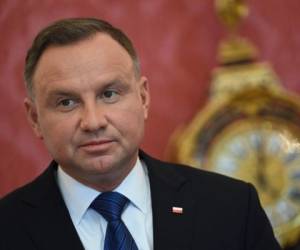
{"x": 96, "y": 145}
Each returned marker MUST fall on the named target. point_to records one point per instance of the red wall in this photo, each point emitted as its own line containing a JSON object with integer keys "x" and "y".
{"x": 177, "y": 43}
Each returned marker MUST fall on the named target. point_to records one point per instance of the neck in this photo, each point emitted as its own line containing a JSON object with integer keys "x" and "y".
{"x": 103, "y": 181}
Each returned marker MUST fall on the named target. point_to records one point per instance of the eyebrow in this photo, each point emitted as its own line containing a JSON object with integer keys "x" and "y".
{"x": 56, "y": 93}
{"x": 123, "y": 85}
{"x": 117, "y": 83}
{"x": 61, "y": 93}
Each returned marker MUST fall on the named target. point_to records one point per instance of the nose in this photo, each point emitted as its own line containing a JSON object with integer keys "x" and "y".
{"x": 92, "y": 118}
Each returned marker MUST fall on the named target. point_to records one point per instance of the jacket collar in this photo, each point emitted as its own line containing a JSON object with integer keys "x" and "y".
{"x": 169, "y": 190}
{"x": 48, "y": 214}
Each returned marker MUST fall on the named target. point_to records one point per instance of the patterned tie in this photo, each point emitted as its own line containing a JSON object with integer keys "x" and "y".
{"x": 110, "y": 205}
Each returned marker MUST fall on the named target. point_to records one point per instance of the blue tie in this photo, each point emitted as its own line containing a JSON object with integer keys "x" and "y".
{"x": 110, "y": 205}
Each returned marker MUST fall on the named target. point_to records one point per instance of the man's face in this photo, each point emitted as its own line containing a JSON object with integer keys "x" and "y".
{"x": 89, "y": 108}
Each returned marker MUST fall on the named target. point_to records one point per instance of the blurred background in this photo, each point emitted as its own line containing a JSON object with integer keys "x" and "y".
{"x": 177, "y": 42}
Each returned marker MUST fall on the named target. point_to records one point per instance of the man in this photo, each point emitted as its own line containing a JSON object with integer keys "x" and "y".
{"x": 88, "y": 102}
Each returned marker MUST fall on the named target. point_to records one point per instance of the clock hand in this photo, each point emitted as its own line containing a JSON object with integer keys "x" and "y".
{"x": 261, "y": 165}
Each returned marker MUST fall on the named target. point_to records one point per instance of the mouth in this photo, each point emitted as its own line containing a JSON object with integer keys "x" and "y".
{"x": 96, "y": 146}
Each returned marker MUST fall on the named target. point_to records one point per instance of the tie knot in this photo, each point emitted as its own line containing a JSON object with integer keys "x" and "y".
{"x": 110, "y": 205}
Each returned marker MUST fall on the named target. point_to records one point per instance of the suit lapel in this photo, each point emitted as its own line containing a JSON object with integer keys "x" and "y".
{"x": 169, "y": 189}
{"x": 48, "y": 221}
{"x": 48, "y": 218}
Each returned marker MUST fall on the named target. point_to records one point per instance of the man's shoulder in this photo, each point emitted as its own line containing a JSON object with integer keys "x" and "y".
{"x": 197, "y": 176}
{"x": 11, "y": 200}
{"x": 28, "y": 191}
{"x": 215, "y": 200}
{"x": 11, "y": 207}
{"x": 201, "y": 181}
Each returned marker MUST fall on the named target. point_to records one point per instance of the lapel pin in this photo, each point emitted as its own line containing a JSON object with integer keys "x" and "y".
{"x": 177, "y": 210}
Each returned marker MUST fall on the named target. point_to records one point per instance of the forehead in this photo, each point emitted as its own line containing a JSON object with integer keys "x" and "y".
{"x": 98, "y": 53}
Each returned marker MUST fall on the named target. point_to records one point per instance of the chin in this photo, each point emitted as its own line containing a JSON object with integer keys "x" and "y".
{"x": 101, "y": 164}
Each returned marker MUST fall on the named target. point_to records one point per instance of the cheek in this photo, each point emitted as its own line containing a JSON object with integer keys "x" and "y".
{"x": 57, "y": 132}
{"x": 127, "y": 117}
{"x": 131, "y": 123}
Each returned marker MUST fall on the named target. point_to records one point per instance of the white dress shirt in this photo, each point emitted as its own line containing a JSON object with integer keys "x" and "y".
{"x": 91, "y": 226}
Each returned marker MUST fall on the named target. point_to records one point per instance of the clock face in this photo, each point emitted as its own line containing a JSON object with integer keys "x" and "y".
{"x": 267, "y": 154}
{"x": 255, "y": 137}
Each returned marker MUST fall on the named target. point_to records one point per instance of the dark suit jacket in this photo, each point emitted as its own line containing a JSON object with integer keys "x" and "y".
{"x": 219, "y": 213}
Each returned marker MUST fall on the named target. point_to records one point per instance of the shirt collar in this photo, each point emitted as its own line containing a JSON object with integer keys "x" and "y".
{"x": 134, "y": 186}
{"x": 78, "y": 197}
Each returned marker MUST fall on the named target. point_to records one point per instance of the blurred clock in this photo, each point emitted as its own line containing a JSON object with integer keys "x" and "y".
{"x": 249, "y": 129}
{"x": 254, "y": 136}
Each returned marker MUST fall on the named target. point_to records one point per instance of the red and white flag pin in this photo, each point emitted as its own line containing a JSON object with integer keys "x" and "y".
{"x": 177, "y": 210}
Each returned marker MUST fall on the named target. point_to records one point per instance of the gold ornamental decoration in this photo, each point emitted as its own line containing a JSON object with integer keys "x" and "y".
{"x": 249, "y": 129}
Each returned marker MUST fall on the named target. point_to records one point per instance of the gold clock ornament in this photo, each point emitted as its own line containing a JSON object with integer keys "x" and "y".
{"x": 249, "y": 129}
{"x": 253, "y": 136}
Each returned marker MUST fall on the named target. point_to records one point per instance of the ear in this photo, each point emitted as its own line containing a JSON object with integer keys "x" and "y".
{"x": 32, "y": 116}
{"x": 145, "y": 95}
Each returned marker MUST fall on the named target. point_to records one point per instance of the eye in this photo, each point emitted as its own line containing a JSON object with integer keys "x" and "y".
{"x": 110, "y": 96}
{"x": 66, "y": 104}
